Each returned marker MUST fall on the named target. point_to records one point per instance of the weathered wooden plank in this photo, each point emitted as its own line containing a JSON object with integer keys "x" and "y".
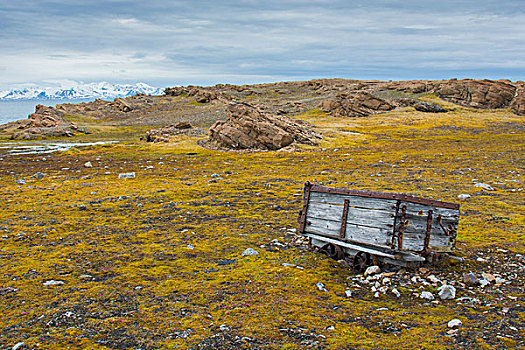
{"x": 354, "y": 201}
{"x": 357, "y": 233}
{"x": 419, "y": 224}
{"x": 422, "y": 210}
{"x": 358, "y": 216}
{"x": 415, "y": 241}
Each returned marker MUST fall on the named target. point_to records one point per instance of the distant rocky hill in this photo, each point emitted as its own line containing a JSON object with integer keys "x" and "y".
{"x": 204, "y": 106}
{"x": 102, "y": 90}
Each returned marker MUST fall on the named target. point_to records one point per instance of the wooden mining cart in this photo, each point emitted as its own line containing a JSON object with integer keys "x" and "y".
{"x": 372, "y": 227}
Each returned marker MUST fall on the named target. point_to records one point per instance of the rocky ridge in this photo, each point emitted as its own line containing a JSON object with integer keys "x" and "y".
{"x": 203, "y": 106}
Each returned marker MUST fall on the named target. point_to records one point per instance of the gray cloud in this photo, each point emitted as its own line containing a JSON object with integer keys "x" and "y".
{"x": 204, "y": 42}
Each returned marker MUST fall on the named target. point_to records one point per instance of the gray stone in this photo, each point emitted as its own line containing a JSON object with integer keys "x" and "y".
{"x": 126, "y": 175}
{"x": 455, "y": 323}
{"x": 470, "y": 279}
{"x": 88, "y": 165}
{"x": 18, "y": 346}
{"x": 249, "y": 252}
{"x": 53, "y": 283}
{"x": 20, "y": 182}
{"x": 447, "y": 292}
{"x": 426, "y": 296}
{"x": 396, "y": 292}
{"x": 484, "y": 186}
{"x": 321, "y": 287}
{"x": 348, "y": 293}
{"x": 464, "y": 196}
{"x": 38, "y": 175}
{"x": 483, "y": 282}
{"x": 372, "y": 270}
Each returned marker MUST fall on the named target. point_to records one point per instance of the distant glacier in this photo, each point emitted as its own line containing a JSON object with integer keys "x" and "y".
{"x": 76, "y": 91}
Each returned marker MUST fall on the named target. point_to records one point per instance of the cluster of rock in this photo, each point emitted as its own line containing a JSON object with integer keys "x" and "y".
{"x": 46, "y": 122}
{"x": 247, "y": 127}
{"x": 164, "y": 134}
{"x": 200, "y": 94}
{"x": 484, "y": 94}
{"x": 358, "y": 104}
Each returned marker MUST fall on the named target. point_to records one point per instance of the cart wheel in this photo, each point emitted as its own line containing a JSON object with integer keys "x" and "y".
{"x": 361, "y": 261}
{"x": 334, "y": 251}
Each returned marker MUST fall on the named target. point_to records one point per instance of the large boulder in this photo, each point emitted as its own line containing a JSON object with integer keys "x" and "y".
{"x": 484, "y": 94}
{"x": 359, "y": 104}
{"x": 421, "y": 106}
{"x": 247, "y": 127}
{"x": 47, "y": 122}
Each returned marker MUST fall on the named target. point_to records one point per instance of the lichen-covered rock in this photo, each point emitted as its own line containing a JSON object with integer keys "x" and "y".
{"x": 47, "y": 122}
{"x": 477, "y": 93}
{"x": 164, "y": 134}
{"x": 359, "y": 104}
{"x": 518, "y": 103}
{"x": 247, "y": 127}
{"x": 200, "y": 94}
{"x": 421, "y": 106}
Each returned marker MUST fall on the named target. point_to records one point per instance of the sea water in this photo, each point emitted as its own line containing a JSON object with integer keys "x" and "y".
{"x": 20, "y": 109}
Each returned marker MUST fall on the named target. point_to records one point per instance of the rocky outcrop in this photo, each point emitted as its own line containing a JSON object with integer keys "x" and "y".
{"x": 421, "y": 106}
{"x": 477, "y": 93}
{"x": 47, "y": 122}
{"x": 164, "y": 134}
{"x": 359, "y": 104}
{"x": 200, "y": 94}
{"x": 247, "y": 127}
{"x": 518, "y": 103}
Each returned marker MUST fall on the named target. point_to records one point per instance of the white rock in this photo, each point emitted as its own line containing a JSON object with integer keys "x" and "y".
{"x": 499, "y": 280}
{"x": 249, "y": 252}
{"x": 224, "y": 328}
{"x": 53, "y": 283}
{"x": 484, "y": 186}
{"x": 190, "y": 246}
{"x": 88, "y": 165}
{"x": 372, "y": 270}
{"x": 17, "y": 346}
{"x": 396, "y": 292}
{"x": 126, "y": 175}
{"x": 426, "y": 296}
{"x": 321, "y": 287}
{"x": 455, "y": 323}
{"x": 464, "y": 196}
{"x": 483, "y": 282}
{"x": 348, "y": 293}
{"x": 447, "y": 292}
{"x": 376, "y": 295}
{"x": 433, "y": 279}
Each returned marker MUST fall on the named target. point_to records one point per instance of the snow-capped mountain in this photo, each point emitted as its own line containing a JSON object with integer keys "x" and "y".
{"x": 101, "y": 90}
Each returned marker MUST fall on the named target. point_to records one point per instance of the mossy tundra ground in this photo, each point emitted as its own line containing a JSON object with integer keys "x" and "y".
{"x": 155, "y": 261}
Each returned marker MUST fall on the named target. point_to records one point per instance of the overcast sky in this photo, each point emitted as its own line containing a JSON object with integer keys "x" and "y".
{"x": 166, "y": 43}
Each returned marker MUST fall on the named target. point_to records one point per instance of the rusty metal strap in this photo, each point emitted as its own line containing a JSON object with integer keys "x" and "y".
{"x": 342, "y": 231}
{"x": 307, "y": 190}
